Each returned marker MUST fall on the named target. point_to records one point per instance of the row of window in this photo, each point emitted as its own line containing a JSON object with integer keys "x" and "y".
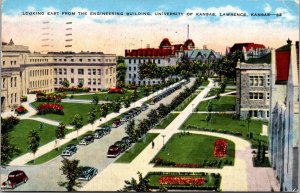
{"x": 13, "y": 82}
{"x": 139, "y": 61}
{"x": 40, "y": 83}
{"x": 259, "y": 114}
{"x": 134, "y": 68}
{"x": 81, "y": 71}
{"x": 134, "y": 75}
{"x": 81, "y": 60}
{"x": 93, "y": 81}
{"x": 259, "y": 80}
{"x": 43, "y": 72}
{"x": 38, "y": 60}
{"x": 145, "y": 82}
{"x": 12, "y": 98}
{"x": 12, "y": 62}
{"x": 258, "y": 95}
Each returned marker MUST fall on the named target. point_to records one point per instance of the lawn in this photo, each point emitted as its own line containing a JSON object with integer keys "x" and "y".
{"x": 213, "y": 92}
{"x": 193, "y": 149}
{"x": 108, "y": 96}
{"x": 137, "y": 148}
{"x": 56, "y": 152}
{"x": 212, "y": 181}
{"x": 70, "y": 109}
{"x": 225, "y": 122}
{"x": 19, "y": 134}
{"x": 166, "y": 121}
{"x": 186, "y": 102}
{"x": 225, "y": 103}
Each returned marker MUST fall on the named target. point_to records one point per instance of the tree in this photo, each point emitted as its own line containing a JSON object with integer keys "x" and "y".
{"x": 146, "y": 91}
{"x": 130, "y": 130}
{"x": 134, "y": 95}
{"x": 121, "y": 74}
{"x": 92, "y": 116}
{"x": 116, "y": 105}
{"x": 142, "y": 185}
{"x": 144, "y": 126}
{"x": 208, "y": 117}
{"x": 127, "y": 102}
{"x": 71, "y": 170}
{"x": 77, "y": 122}
{"x": 248, "y": 121}
{"x": 80, "y": 84}
{"x": 209, "y": 106}
{"x": 8, "y": 150}
{"x": 153, "y": 116}
{"x": 95, "y": 99}
{"x": 162, "y": 110}
{"x": 105, "y": 110}
{"x": 65, "y": 83}
{"x": 60, "y": 131}
{"x": 33, "y": 142}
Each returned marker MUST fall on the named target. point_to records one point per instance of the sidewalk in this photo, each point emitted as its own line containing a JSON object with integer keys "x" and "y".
{"x": 21, "y": 160}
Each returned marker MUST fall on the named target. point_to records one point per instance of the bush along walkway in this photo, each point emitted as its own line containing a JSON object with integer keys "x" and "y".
{"x": 234, "y": 178}
{"x": 22, "y": 160}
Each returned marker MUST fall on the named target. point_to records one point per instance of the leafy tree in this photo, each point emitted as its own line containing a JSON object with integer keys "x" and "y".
{"x": 162, "y": 110}
{"x": 105, "y": 110}
{"x": 248, "y": 119}
{"x": 77, "y": 122}
{"x": 127, "y": 102}
{"x": 95, "y": 99}
{"x": 8, "y": 150}
{"x": 60, "y": 131}
{"x": 130, "y": 130}
{"x": 146, "y": 91}
{"x": 65, "y": 83}
{"x": 142, "y": 185}
{"x": 153, "y": 116}
{"x": 33, "y": 142}
{"x": 121, "y": 74}
{"x": 134, "y": 95}
{"x": 208, "y": 118}
{"x": 92, "y": 116}
{"x": 80, "y": 84}
{"x": 116, "y": 105}
{"x": 72, "y": 171}
{"x": 144, "y": 126}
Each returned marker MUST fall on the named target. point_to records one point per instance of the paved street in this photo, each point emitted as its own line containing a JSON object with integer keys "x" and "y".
{"x": 91, "y": 155}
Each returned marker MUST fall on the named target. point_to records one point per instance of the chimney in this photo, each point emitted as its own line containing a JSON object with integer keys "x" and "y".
{"x": 289, "y": 41}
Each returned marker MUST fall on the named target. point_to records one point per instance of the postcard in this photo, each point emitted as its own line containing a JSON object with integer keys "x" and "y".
{"x": 139, "y": 95}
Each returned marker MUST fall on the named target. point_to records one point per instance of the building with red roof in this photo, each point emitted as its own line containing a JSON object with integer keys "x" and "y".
{"x": 166, "y": 54}
{"x": 250, "y": 50}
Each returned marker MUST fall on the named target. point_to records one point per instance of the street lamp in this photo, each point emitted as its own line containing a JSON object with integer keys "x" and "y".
{"x": 163, "y": 136}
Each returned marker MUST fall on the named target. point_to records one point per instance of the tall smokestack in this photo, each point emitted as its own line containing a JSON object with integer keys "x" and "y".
{"x": 188, "y": 31}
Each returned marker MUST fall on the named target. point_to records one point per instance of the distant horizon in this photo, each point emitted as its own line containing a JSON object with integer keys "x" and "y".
{"x": 113, "y": 33}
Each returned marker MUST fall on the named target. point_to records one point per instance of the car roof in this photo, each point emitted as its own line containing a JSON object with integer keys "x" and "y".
{"x": 16, "y": 172}
{"x": 86, "y": 168}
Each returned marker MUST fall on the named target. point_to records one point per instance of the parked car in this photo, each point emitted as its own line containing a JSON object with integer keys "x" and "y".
{"x": 98, "y": 133}
{"x": 15, "y": 178}
{"x": 116, "y": 123}
{"x": 113, "y": 151}
{"x": 125, "y": 118}
{"x": 126, "y": 140}
{"x": 87, "y": 140}
{"x": 123, "y": 146}
{"x": 69, "y": 150}
{"x": 107, "y": 129}
{"x": 138, "y": 109}
{"x": 144, "y": 107}
{"x": 87, "y": 173}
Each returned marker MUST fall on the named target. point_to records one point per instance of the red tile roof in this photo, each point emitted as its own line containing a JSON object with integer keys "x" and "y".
{"x": 248, "y": 46}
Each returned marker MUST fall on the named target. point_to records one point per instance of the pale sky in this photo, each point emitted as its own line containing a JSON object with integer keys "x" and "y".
{"x": 114, "y": 34}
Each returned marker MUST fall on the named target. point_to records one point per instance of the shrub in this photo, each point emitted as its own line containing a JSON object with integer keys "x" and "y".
{"x": 21, "y": 110}
{"x": 23, "y": 98}
{"x": 50, "y": 108}
{"x": 8, "y": 123}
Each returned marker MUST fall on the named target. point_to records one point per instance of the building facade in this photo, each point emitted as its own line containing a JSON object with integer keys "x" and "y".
{"x": 253, "y": 90}
{"x": 166, "y": 55}
{"x": 284, "y": 120}
{"x": 24, "y": 72}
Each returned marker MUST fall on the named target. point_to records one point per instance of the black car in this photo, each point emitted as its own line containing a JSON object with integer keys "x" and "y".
{"x": 107, "y": 129}
{"x": 87, "y": 173}
{"x": 126, "y": 140}
{"x": 86, "y": 140}
{"x": 123, "y": 146}
{"x": 69, "y": 150}
{"x": 144, "y": 107}
{"x": 126, "y": 118}
{"x": 99, "y": 133}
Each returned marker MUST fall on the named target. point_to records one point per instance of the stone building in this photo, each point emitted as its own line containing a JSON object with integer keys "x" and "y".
{"x": 253, "y": 88}
{"x": 284, "y": 120}
{"x": 24, "y": 72}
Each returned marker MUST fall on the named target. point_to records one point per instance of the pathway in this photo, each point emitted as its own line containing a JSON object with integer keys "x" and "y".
{"x": 21, "y": 160}
{"x": 240, "y": 177}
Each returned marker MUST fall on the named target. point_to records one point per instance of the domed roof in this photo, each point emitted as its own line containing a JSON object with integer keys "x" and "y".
{"x": 189, "y": 42}
{"x": 164, "y": 43}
